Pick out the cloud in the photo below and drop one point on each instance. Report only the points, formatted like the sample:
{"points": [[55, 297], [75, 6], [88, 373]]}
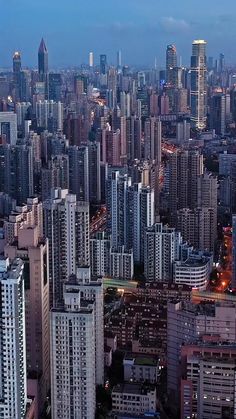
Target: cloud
{"points": [[170, 24]]}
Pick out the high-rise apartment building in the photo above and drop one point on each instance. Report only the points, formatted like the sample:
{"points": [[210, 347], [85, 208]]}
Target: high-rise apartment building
{"points": [[92, 290], [73, 362], [161, 249], [198, 227], [79, 172], [185, 167], [100, 254], [66, 224], [198, 84], [33, 250], [13, 391], [55, 175], [94, 159], [130, 212]]}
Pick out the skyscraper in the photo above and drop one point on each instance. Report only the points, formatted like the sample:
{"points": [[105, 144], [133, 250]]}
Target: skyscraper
{"points": [[171, 63], [17, 73], [42, 60], [91, 60], [198, 84], [103, 64], [119, 59], [43, 66]]}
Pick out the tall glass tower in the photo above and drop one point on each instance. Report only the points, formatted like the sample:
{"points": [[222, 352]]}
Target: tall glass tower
{"points": [[198, 84], [171, 62]]}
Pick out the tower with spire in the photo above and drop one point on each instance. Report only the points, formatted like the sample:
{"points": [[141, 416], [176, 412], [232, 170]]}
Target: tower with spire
{"points": [[42, 58], [43, 65]]}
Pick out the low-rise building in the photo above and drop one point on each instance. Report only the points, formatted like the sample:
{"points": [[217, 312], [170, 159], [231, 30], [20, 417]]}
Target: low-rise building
{"points": [[141, 369], [193, 272], [134, 398]]}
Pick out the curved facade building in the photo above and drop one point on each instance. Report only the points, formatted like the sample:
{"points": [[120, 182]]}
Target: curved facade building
{"points": [[193, 272]]}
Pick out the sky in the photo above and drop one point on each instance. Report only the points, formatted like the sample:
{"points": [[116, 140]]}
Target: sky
{"points": [[141, 29]]}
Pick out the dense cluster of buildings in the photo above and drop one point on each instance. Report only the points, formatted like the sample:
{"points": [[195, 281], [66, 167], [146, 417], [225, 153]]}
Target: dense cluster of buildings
{"points": [[116, 175]]}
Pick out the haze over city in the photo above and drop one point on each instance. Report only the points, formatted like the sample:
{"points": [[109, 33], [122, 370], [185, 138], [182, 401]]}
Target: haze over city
{"points": [[141, 29]]}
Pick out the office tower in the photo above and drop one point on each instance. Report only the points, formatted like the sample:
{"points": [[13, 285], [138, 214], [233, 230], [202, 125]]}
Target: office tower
{"points": [[16, 73], [161, 246], [182, 132], [13, 391], [55, 175], [198, 227], [91, 60], [8, 128], [233, 282], [73, 386], [55, 87], [79, 172], [33, 249], [187, 324], [198, 84], [100, 254], [119, 63], [16, 63], [94, 159], [185, 167], [42, 61], [218, 113], [103, 64], [121, 263], [66, 224], [177, 77], [171, 63], [49, 115]]}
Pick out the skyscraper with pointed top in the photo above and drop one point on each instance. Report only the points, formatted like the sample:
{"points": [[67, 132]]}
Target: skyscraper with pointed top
{"points": [[42, 58], [43, 65]]}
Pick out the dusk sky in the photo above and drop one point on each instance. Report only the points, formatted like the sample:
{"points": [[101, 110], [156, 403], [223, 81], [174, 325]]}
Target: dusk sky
{"points": [[140, 28]]}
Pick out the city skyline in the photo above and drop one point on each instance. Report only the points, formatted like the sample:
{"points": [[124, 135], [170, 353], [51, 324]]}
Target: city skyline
{"points": [[105, 30]]}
